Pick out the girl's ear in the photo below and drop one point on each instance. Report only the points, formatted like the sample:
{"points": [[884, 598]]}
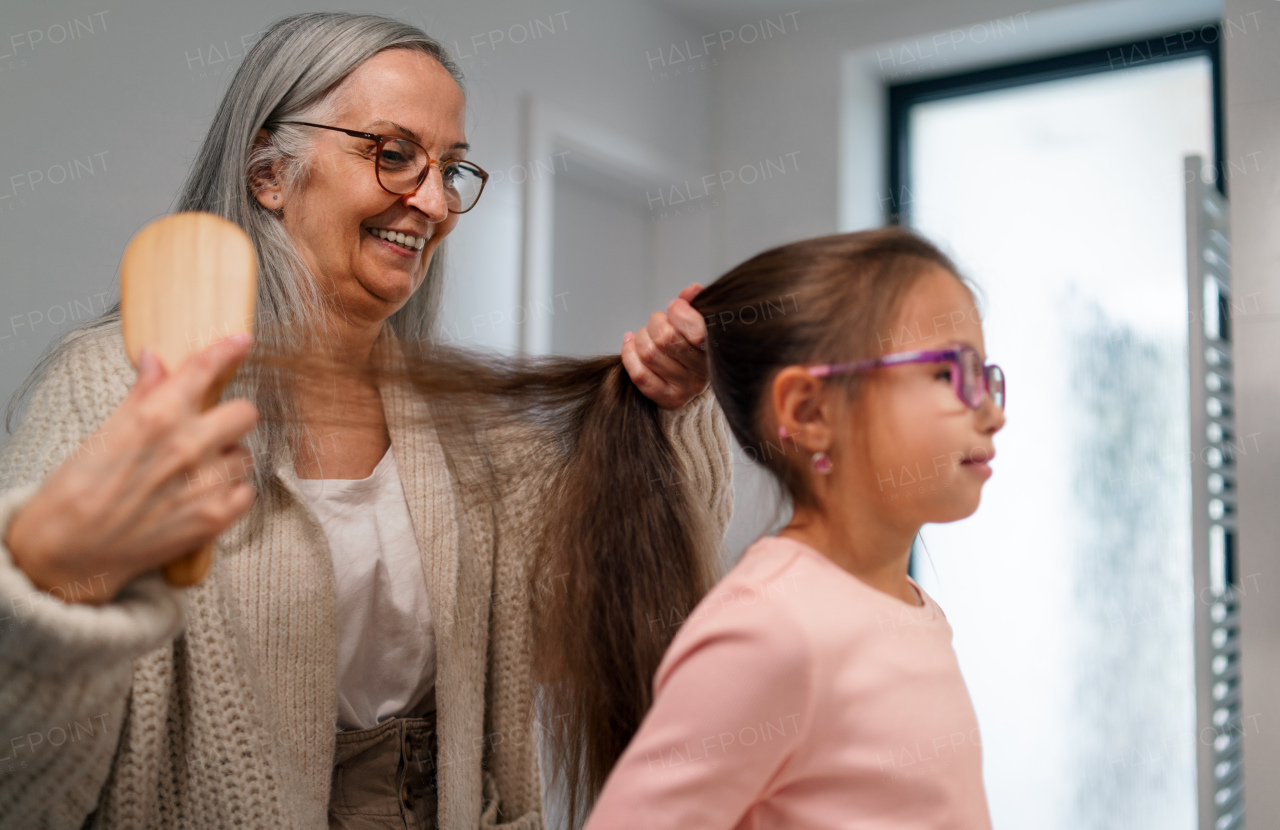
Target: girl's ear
{"points": [[264, 181], [802, 410]]}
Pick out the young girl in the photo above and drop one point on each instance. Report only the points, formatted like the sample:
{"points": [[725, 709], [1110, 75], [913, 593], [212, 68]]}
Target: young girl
{"points": [[815, 686]]}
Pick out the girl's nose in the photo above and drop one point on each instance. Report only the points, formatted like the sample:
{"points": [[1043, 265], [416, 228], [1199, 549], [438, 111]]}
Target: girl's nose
{"points": [[991, 416]]}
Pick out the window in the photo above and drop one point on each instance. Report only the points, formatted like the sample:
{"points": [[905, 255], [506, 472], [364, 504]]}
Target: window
{"points": [[1058, 186]]}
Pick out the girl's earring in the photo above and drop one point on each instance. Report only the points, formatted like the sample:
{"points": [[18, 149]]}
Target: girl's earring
{"points": [[821, 463]]}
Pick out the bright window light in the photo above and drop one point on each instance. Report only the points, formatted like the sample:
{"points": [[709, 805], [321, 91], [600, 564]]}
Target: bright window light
{"points": [[1070, 590]]}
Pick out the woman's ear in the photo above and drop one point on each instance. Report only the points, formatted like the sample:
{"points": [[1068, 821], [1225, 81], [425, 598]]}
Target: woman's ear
{"points": [[264, 181], [801, 411]]}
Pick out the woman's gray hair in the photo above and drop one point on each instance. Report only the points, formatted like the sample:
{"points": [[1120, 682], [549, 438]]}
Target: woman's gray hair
{"points": [[292, 73]]}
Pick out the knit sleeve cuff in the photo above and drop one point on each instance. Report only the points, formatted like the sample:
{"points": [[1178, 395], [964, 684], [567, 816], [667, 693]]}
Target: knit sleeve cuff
{"points": [[700, 435], [46, 634], [696, 408]]}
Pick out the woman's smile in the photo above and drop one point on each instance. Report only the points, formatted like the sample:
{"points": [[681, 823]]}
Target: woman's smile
{"points": [[400, 242]]}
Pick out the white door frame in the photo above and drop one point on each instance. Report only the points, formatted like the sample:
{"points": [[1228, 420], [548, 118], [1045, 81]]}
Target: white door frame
{"points": [[550, 129]]}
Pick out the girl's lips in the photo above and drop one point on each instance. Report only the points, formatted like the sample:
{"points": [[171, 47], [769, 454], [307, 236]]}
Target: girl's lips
{"points": [[982, 468]]}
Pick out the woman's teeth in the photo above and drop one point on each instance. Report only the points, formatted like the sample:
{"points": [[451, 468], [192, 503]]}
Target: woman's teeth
{"points": [[413, 243]]}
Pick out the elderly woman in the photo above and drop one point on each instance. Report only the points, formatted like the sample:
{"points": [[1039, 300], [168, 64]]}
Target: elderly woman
{"points": [[346, 660]]}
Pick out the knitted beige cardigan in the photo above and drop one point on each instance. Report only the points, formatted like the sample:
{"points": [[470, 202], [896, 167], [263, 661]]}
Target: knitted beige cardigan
{"points": [[215, 707]]}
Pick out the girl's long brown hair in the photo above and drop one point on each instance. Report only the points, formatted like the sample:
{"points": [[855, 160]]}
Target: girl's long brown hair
{"points": [[619, 536]]}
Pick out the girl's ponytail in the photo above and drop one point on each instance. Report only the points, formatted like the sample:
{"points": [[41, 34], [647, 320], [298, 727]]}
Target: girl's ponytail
{"points": [[632, 538]]}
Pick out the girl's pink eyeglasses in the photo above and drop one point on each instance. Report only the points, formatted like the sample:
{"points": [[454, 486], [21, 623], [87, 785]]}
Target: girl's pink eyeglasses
{"points": [[970, 378]]}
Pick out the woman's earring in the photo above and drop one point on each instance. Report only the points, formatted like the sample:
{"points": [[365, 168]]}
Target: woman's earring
{"points": [[273, 198], [821, 463]]}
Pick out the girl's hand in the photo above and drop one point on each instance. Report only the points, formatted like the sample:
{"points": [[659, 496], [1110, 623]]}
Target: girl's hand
{"points": [[159, 479], [667, 359]]}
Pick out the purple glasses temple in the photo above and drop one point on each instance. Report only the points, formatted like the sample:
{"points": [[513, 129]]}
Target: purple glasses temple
{"points": [[970, 378]]}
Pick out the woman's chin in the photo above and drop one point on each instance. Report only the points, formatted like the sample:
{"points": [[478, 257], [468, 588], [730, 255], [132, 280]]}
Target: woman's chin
{"points": [[394, 282], [391, 285]]}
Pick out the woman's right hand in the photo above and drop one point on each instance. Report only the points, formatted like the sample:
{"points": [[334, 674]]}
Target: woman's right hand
{"points": [[158, 480]]}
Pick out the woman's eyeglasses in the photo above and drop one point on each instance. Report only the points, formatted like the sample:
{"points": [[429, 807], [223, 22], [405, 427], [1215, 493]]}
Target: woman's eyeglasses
{"points": [[970, 378], [401, 166]]}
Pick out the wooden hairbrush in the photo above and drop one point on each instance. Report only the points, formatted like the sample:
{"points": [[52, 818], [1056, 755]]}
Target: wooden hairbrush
{"points": [[187, 280]]}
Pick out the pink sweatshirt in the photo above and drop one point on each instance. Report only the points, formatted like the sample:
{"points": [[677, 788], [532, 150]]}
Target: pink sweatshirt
{"points": [[796, 696]]}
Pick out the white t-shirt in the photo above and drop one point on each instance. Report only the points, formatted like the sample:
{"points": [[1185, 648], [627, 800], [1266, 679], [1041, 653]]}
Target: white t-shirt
{"points": [[386, 642]]}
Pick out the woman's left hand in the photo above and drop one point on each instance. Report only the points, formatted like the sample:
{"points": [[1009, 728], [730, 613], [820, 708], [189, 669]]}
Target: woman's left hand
{"points": [[667, 359]]}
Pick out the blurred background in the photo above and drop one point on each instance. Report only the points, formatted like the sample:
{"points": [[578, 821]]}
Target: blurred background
{"points": [[1106, 172]]}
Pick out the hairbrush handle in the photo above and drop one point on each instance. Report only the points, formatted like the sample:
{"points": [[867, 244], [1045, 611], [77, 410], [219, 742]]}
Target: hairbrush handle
{"points": [[191, 568]]}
